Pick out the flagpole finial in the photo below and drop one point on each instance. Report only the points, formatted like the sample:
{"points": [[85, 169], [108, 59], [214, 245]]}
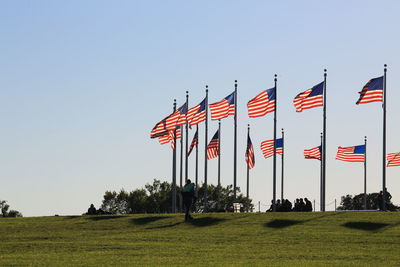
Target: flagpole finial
{"points": [[248, 125], [206, 88], [325, 70], [385, 67], [187, 92]]}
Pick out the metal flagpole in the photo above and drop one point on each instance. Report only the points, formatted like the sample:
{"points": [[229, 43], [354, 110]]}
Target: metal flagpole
{"points": [[187, 140], [219, 153], [235, 145], [181, 160], [248, 169], [384, 142], [181, 171], [321, 185], [324, 147], [365, 173], [174, 170], [274, 151], [282, 171], [197, 158], [205, 151]]}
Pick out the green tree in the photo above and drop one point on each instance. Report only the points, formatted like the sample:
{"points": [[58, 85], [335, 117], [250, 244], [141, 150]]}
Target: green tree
{"points": [[4, 210], [349, 202], [160, 197], [137, 201], [115, 203]]}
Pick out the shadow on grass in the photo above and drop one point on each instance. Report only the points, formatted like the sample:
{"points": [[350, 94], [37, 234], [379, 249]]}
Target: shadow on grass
{"points": [[366, 226], [164, 226], [205, 221], [146, 220], [282, 223], [72, 217], [104, 217]]}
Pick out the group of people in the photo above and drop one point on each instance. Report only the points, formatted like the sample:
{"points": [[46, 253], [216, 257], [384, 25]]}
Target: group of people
{"points": [[92, 211], [286, 205]]}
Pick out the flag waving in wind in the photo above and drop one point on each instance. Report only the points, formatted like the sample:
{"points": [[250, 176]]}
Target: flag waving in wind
{"points": [[267, 147], [310, 99], [159, 129], [177, 118], [194, 143], [250, 160], [262, 104], [313, 153], [351, 153], [372, 91], [197, 113], [223, 108], [393, 159], [212, 148]]}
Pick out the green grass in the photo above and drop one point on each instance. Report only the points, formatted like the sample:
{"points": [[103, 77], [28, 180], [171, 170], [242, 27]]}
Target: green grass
{"points": [[265, 239]]}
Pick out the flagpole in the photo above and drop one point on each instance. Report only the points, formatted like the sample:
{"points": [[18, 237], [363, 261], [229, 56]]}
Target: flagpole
{"points": [[274, 163], [187, 140], [365, 173], [324, 147], [205, 151], [384, 142], [282, 171], [248, 159], [197, 158], [321, 178], [235, 145], [174, 169], [181, 160], [219, 154], [248, 169]]}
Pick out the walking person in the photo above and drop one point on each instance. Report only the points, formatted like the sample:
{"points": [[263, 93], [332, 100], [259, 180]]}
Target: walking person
{"points": [[188, 195]]}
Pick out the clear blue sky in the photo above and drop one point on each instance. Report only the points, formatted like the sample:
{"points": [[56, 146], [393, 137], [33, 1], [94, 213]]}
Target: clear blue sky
{"points": [[83, 82]]}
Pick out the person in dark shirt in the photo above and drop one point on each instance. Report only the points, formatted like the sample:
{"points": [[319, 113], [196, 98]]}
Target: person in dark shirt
{"points": [[302, 205], [188, 195], [92, 210]]}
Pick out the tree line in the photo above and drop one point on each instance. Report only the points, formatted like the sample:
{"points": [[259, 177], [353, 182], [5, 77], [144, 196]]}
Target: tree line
{"points": [[374, 202], [156, 197], [5, 212]]}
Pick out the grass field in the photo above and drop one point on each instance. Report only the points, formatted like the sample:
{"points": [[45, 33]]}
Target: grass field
{"points": [[260, 239]]}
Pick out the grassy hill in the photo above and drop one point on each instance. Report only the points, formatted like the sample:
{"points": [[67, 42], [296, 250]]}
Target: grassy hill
{"points": [[265, 239]]}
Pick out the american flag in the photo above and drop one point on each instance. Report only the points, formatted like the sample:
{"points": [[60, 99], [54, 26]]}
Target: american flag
{"points": [[262, 104], [309, 99], [313, 153], [223, 108], [212, 148], [267, 147], [159, 129], [169, 137], [372, 91], [197, 113], [351, 153], [250, 160], [393, 159], [177, 118], [194, 143]]}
